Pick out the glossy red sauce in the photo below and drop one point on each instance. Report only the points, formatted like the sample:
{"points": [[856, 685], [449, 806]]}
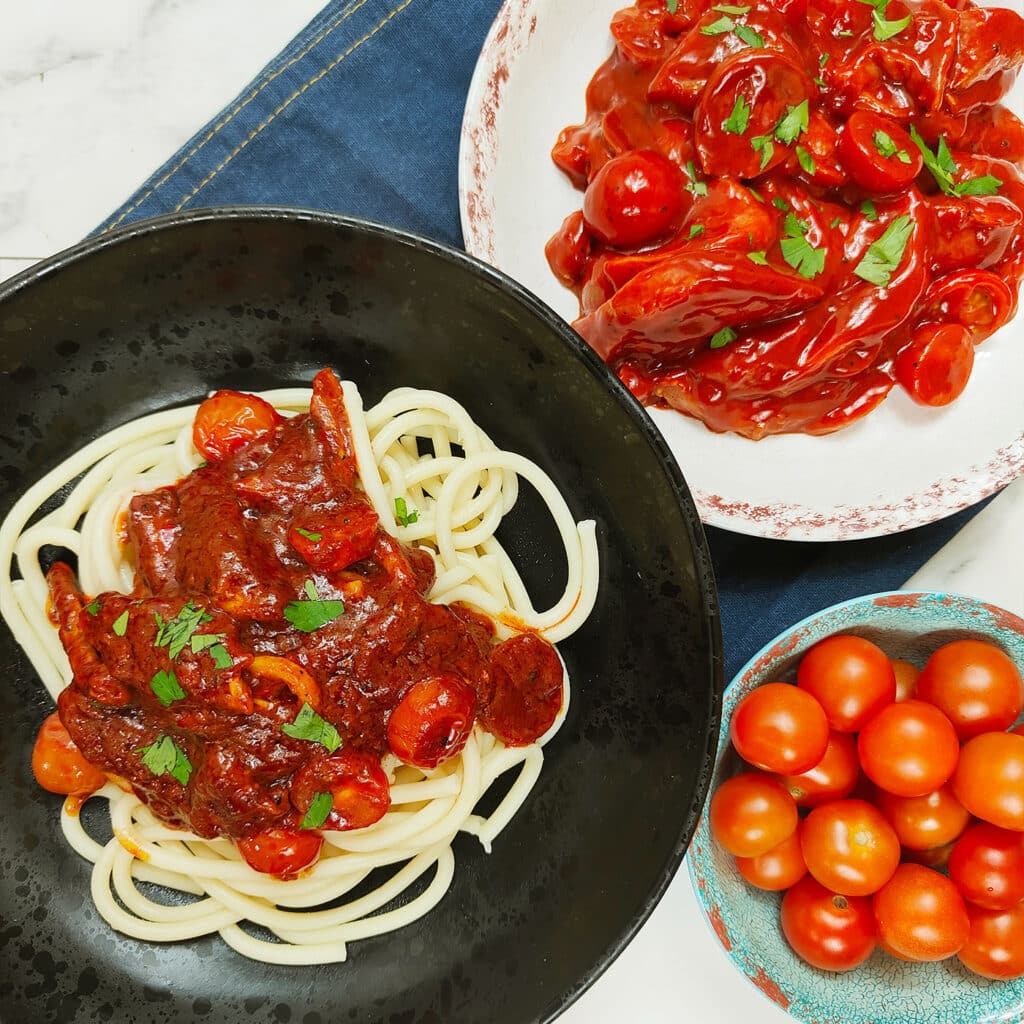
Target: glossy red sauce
{"points": [[707, 178], [275, 513]]}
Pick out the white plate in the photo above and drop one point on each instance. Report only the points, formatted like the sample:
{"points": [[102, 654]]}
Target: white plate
{"points": [[902, 466]]}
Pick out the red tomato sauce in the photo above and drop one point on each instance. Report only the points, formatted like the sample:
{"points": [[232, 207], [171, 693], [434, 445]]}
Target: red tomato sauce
{"points": [[273, 524], [792, 206]]}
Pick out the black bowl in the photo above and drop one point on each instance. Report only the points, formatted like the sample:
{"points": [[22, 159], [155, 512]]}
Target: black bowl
{"points": [[161, 312]]}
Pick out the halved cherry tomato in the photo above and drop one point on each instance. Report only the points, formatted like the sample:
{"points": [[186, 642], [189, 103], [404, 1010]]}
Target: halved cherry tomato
{"points": [[995, 945], [281, 852], [906, 678], [59, 766], [635, 199], [976, 299], [527, 690], [228, 420], [360, 792], [989, 779], [832, 778], [779, 728], [432, 721], [830, 931], [909, 749], [850, 847], [781, 867], [333, 542], [935, 367], [987, 866], [850, 677], [924, 822], [879, 154], [921, 915], [751, 814], [975, 684], [568, 248]]}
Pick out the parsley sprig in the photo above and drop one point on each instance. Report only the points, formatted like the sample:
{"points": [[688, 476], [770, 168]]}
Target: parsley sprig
{"points": [[884, 256], [308, 725], [120, 624], [798, 252], [793, 123], [166, 688], [164, 757], [314, 612], [943, 168], [175, 633], [405, 515]]}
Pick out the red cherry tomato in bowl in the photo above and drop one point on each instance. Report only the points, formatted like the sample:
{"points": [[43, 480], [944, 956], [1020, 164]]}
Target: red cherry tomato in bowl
{"points": [[920, 915], [229, 420], [829, 931], [834, 777], [635, 199], [779, 728], [989, 779], [987, 866], [995, 945], [780, 868], [975, 684], [924, 822], [935, 367], [878, 154], [751, 814], [850, 677]]}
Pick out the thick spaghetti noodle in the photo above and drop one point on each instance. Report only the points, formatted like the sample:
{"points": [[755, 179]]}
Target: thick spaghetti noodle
{"points": [[462, 486]]}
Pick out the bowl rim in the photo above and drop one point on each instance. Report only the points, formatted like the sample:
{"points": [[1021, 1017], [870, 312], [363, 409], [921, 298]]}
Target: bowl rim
{"points": [[710, 613]]}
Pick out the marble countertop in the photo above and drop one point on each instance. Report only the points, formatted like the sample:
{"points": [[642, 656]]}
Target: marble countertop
{"points": [[94, 95]]}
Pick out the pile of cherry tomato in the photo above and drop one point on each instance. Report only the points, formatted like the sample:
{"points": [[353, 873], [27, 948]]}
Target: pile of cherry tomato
{"points": [[888, 804]]}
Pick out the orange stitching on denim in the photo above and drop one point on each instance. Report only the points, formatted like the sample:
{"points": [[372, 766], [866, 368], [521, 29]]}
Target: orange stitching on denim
{"points": [[345, 15], [294, 96]]}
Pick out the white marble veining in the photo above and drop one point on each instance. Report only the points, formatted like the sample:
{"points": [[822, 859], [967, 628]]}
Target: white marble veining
{"points": [[94, 95]]}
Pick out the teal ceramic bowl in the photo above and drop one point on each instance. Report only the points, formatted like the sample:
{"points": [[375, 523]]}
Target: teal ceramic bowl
{"points": [[745, 920]]}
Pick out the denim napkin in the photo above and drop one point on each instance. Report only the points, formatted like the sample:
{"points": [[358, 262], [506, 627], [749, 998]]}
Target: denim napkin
{"points": [[360, 114]]}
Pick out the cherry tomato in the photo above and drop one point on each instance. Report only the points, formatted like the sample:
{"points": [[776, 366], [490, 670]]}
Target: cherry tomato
{"points": [[781, 867], [987, 866], [851, 678], [989, 779], [995, 946], [924, 822], [780, 729], [975, 685], [920, 915], [281, 852], [879, 155], [568, 249], [976, 299], [830, 931], [751, 813], [832, 778], [850, 847], [360, 792], [909, 749], [432, 721], [906, 678], [333, 542], [635, 199], [228, 420], [935, 367], [528, 688], [59, 766]]}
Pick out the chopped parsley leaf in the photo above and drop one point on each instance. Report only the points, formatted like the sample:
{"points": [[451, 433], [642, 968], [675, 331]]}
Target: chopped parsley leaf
{"points": [[836, 221], [780, 204], [943, 167], [313, 613], [749, 36], [763, 144], [696, 186], [221, 657], [723, 337], [93, 607], [696, 230], [823, 59], [805, 159], [322, 803], [164, 757], [718, 28], [885, 29], [308, 534], [308, 725], [166, 688], [884, 256], [760, 258], [120, 625], [671, 6], [176, 633], [405, 515], [798, 252], [883, 143], [793, 123], [868, 209], [986, 185], [730, 9], [736, 122]]}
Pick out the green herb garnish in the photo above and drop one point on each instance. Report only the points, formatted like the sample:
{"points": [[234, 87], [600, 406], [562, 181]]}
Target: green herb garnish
{"points": [[314, 612], [93, 608], [696, 186], [696, 230], [805, 159], [868, 209], [943, 167], [308, 725], [405, 515], [166, 688], [736, 122], [760, 258], [885, 255], [120, 625], [730, 9], [793, 123], [763, 144], [671, 6], [718, 28], [319, 808], [780, 204], [723, 337], [798, 252], [749, 36], [308, 534], [176, 633], [164, 757]]}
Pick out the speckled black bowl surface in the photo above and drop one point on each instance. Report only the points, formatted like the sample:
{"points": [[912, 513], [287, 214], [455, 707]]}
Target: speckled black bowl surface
{"points": [[165, 310]]}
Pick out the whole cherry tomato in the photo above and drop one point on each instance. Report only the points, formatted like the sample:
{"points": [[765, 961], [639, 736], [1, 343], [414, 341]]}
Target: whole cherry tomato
{"points": [[830, 931], [850, 847], [935, 367], [906, 678], [909, 749], [879, 155], [281, 852], [780, 729], [59, 766], [832, 778], [229, 420], [781, 867], [359, 790], [751, 813], [995, 946], [987, 866], [432, 721], [975, 685], [989, 779], [925, 822], [851, 678], [921, 915], [635, 199]]}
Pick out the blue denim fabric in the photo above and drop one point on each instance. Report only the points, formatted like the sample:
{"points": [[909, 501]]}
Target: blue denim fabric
{"points": [[361, 114]]}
